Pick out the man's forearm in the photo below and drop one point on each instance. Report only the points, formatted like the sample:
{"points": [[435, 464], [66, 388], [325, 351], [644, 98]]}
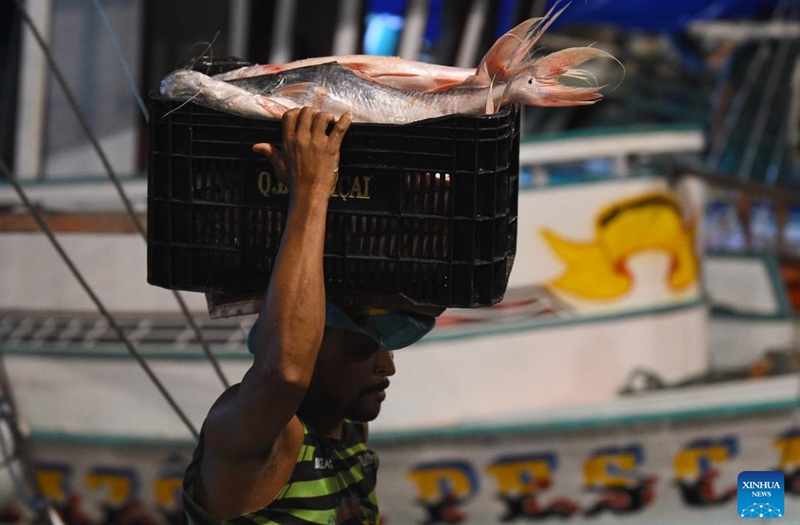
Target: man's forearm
{"points": [[290, 327], [293, 312]]}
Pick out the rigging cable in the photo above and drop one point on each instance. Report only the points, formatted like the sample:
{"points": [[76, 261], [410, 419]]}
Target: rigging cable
{"points": [[25, 482], [116, 182], [740, 98], [96, 300], [736, 108], [132, 83], [754, 138], [118, 51]]}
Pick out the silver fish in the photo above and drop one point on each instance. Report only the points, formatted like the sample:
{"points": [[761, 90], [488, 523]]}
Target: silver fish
{"points": [[338, 89], [186, 85], [510, 52]]}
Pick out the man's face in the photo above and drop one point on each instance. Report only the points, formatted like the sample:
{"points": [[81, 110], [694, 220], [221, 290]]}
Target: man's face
{"points": [[350, 377]]}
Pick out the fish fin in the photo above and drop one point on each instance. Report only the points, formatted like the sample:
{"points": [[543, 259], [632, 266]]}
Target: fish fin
{"points": [[444, 86], [392, 74], [481, 76], [521, 56], [250, 71], [511, 52], [495, 60], [275, 109], [473, 81], [489, 99], [298, 90], [413, 82], [505, 97]]}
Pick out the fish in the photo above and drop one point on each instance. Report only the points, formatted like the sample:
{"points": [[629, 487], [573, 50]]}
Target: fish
{"points": [[187, 85], [337, 89], [503, 59], [397, 91], [535, 83], [392, 71]]}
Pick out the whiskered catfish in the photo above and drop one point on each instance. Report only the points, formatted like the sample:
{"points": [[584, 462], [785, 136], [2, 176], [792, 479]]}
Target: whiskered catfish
{"points": [[393, 90], [509, 53], [337, 89]]}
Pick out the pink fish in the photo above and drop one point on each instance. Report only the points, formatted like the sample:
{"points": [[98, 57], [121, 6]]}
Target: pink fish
{"points": [[508, 55], [392, 71], [393, 90], [337, 89]]}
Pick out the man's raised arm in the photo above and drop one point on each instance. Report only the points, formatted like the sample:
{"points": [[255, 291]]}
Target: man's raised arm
{"points": [[248, 419]]}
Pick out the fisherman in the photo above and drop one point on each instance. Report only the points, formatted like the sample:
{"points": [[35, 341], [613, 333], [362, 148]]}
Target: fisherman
{"points": [[288, 444]]}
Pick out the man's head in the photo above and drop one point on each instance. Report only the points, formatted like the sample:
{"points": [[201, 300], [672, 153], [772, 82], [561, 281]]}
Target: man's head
{"points": [[350, 377], [356, 359]]}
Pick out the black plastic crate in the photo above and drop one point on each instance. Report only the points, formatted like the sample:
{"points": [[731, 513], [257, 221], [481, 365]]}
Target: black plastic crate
{"points": [[424, 214]]}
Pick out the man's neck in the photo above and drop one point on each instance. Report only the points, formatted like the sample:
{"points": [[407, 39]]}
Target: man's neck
{"points": [[323, 424]]}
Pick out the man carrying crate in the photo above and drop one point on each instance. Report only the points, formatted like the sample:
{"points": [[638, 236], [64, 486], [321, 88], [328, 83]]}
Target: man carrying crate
{"points": [[283, 446]]}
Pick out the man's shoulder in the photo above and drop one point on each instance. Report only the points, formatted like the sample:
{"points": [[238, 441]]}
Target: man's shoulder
{"points": [[224, 404], [220, 422], [220, 416], [227, 482]]}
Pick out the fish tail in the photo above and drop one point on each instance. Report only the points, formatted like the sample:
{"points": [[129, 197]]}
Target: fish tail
{"points": [[522, 55]]}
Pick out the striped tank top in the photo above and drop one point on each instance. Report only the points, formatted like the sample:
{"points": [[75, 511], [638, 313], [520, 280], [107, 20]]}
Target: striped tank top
{"points": [[333, 482]]}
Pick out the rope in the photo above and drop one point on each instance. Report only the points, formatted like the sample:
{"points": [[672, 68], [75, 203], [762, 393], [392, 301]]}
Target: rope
{"points": [[12, 453], [202, 340], [96, 300], [734, 112], [736, 108], [79, 114], [118, 51], [116, 182], [720, 180], [759, 126], [24, 482]]}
